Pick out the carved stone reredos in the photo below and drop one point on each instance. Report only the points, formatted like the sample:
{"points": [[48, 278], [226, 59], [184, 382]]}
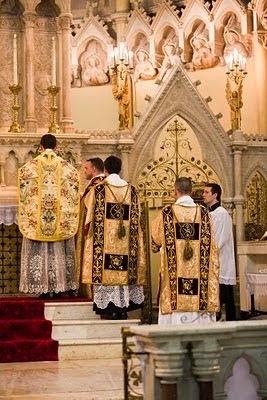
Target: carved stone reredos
{"points": [[179, 96]]}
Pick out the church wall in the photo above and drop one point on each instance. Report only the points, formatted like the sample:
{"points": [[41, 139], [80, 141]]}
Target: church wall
{"points": [[94, 108]]}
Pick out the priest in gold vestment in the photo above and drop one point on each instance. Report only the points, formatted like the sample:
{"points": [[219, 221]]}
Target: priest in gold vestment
{"points": [[94, 172], [48, 220], [189, 270], [114, 256]]}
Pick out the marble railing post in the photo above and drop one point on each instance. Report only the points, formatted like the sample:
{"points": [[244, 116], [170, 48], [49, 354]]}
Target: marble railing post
{"points": [[238, 145], [30, 122], [66, 123], [168, 368], [206, 366]]}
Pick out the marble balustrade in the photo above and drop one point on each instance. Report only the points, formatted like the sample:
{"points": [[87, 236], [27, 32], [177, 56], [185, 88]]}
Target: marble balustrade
{"points": [[203, 361]]}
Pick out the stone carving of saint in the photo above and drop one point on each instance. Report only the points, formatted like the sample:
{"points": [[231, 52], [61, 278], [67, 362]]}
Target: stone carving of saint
{"points": [[144, 69], [202, 54], [170, 58], [233, 39], [93, 74]]}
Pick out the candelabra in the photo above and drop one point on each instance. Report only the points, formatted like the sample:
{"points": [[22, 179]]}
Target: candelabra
{"points": [[15, 126], [54, 127], [236, 71], [121, 65]]}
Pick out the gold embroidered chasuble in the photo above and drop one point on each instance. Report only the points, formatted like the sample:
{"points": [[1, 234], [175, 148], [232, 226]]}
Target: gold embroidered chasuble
{"points": [[48, 198], [110, 258], [80, 236], [187, 285]]}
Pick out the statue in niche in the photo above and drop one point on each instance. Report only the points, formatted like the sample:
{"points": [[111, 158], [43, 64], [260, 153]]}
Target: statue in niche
{"points": [[202, 57], [144, 69], [93, 74], [233, 40], [93, 66], [170, 57], [234, 99]]}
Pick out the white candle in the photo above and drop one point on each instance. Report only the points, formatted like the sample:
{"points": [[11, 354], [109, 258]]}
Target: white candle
{"points": [[116, 55], [122, 51], [15, 61], [53, 62], [130, 59]]}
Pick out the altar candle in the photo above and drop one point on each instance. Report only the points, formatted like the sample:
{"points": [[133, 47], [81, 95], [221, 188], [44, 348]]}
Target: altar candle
{"points": [[15, 61], [53, 62]]}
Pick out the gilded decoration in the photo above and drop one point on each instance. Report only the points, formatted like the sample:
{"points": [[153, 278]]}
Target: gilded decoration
{"points": [[256, 207], [10, 249], [49, 193], [105, 209], [184, 285], [187, 284], [177, 154]]}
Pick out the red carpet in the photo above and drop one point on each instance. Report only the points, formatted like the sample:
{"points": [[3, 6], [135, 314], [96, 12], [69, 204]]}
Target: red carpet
{"points": [[25, 335]]}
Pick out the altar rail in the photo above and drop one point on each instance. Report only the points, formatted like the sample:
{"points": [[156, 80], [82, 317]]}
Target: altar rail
{"points": [[223, 360]]}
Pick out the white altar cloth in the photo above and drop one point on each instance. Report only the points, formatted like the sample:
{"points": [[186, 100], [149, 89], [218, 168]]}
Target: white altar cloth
{"points": [[257, 284], [8, 215]]}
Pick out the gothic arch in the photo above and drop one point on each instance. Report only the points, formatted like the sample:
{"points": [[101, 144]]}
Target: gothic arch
{"points": [[254, 368], [252, 169], [179, 96]]}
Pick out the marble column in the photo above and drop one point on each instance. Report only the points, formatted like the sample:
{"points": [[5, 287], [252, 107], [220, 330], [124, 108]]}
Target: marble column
{"points": [[66, 123], [30, 121], [238, 145], [205, 367], [168, 368], [120, 18]]}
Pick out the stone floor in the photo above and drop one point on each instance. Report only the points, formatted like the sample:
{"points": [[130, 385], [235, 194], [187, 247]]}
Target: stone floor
{"points": [[62, 380]]}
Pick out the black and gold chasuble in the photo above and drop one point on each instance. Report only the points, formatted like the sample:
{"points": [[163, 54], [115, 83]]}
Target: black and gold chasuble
{"points": [[114, 249], [187, 283], [79, 238]]}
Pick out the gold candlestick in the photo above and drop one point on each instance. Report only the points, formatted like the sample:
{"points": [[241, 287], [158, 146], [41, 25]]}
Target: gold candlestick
{"points": [[54, 127], [15, 127]]}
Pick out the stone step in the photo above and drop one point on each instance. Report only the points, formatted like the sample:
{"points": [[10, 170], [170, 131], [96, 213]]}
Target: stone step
{"points": [[84, 335], [89, 329], [90, 349], [70, 311]]}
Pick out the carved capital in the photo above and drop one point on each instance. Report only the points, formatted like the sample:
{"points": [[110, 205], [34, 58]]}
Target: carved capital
{"points": [[126, 148], [119, 18], [239, 200], [238, 148], [206, 359], [228, 204], [64, 21], [170, 366], [29, 19]]}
